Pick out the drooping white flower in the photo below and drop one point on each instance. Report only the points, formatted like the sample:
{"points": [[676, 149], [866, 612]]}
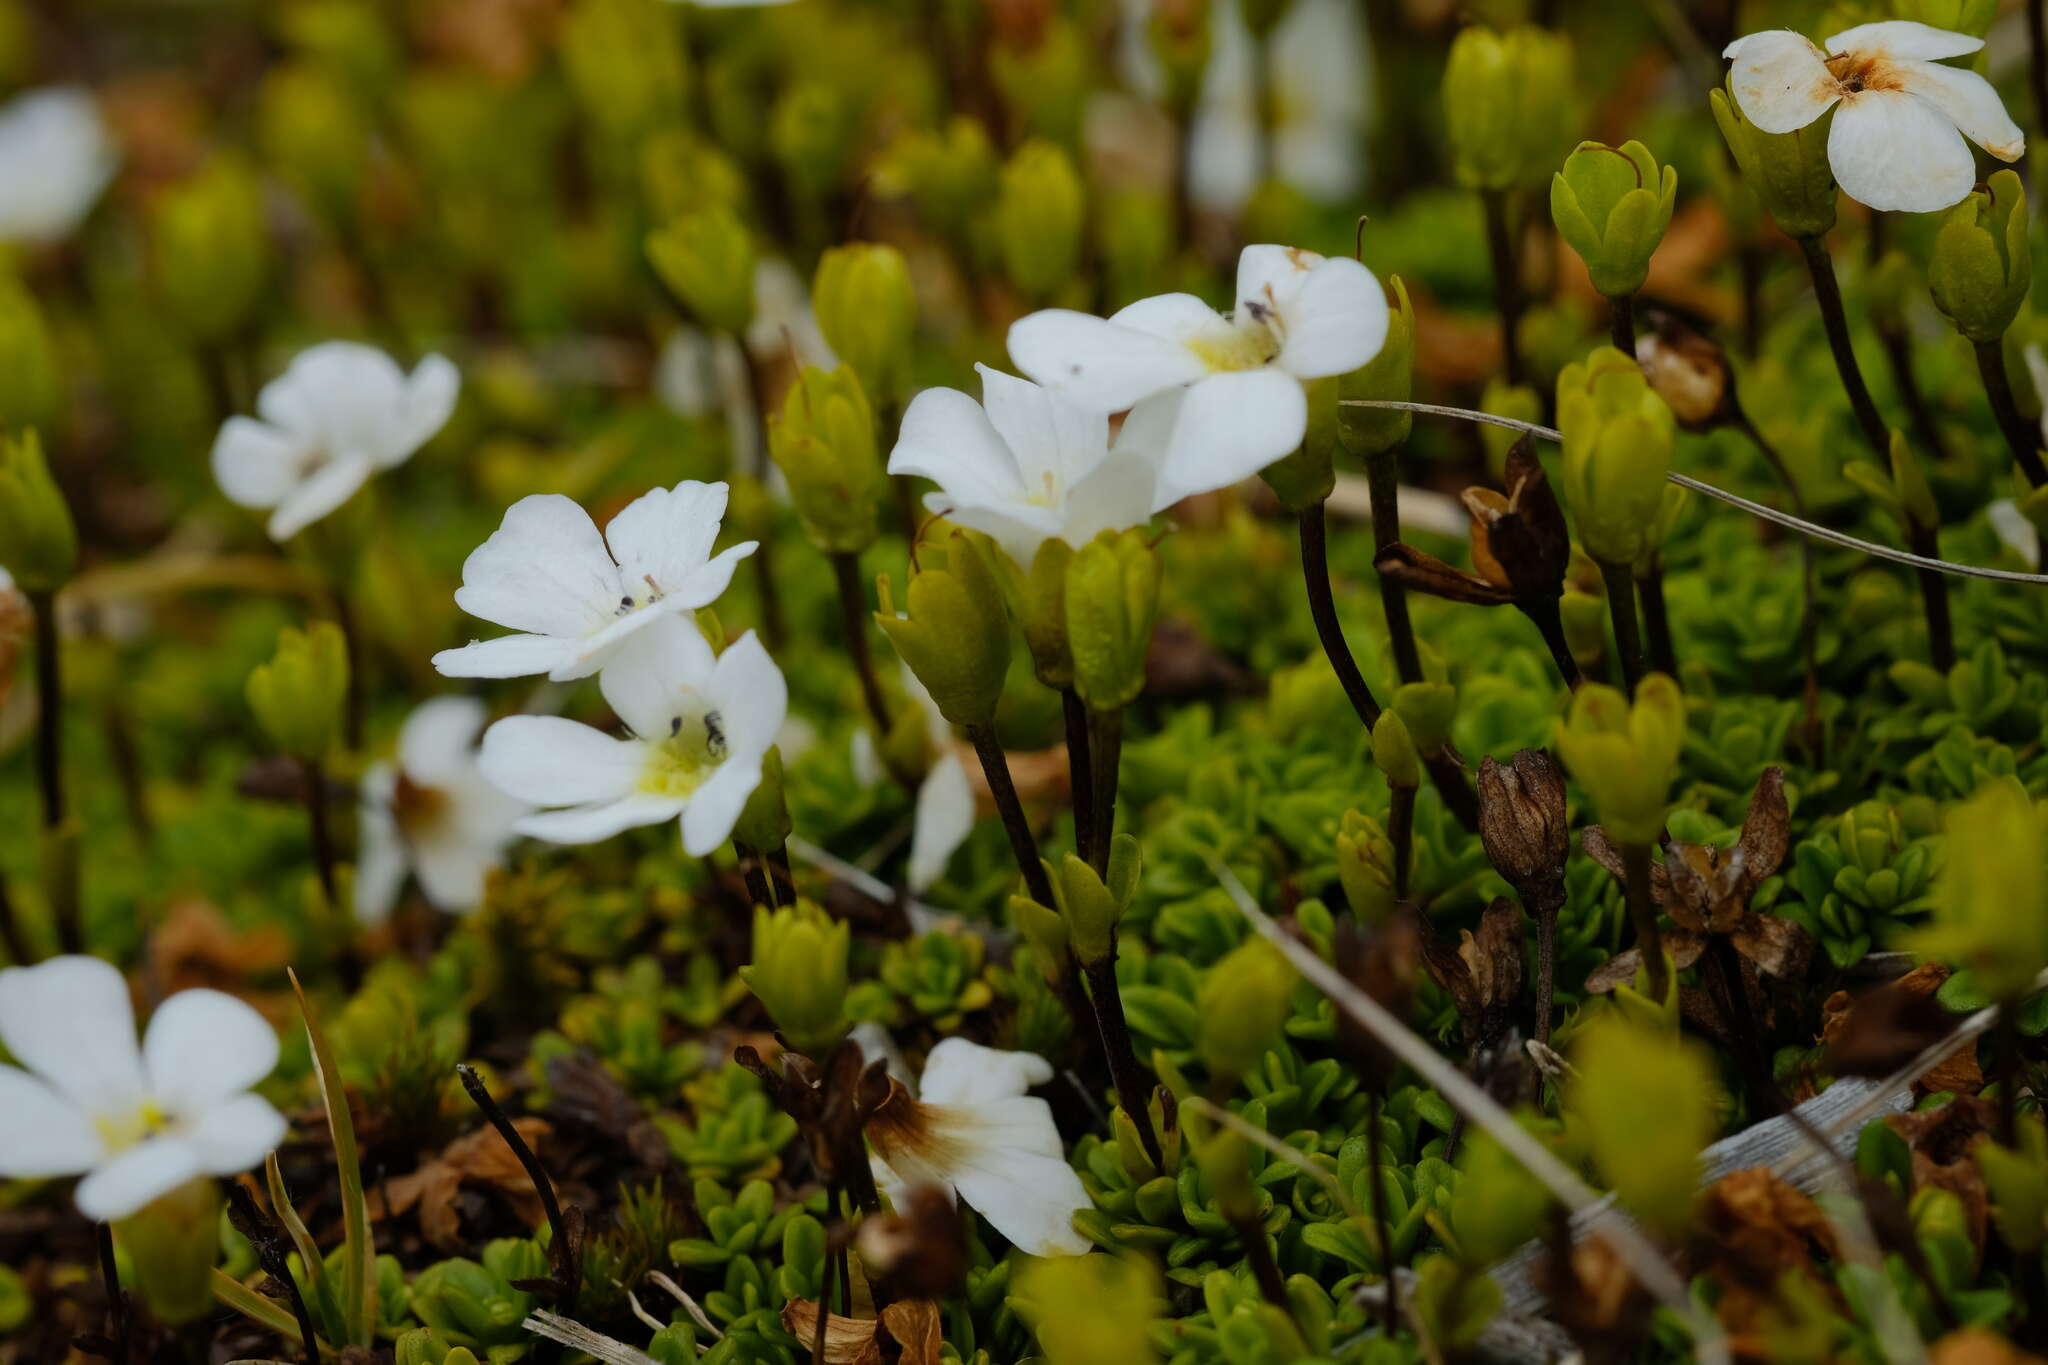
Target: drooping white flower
{"points": [[1024, 465], [576, 595], [55, 159], [1320, 78], [138, 1122], [944, 811], [430, 811], [972, 1129], [700, 726], [1897, 139], [340, 412], [1237, 378]]}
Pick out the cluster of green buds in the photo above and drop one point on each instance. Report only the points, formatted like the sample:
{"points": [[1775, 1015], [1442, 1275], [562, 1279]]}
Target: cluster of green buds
{"points": [[1612, 205], [799, 973], [1365, 867], [867, 312], [706, 259], [1618, 441], [1788, 172], [1982, 269], [824, 443], [1991, 895], [950, 174], [38, 541], [1241, 1008], [1508, 101], [1041, 209], [298, 694], [954, 633], [1112, 599], [1624, 754], [1644, 1102]]}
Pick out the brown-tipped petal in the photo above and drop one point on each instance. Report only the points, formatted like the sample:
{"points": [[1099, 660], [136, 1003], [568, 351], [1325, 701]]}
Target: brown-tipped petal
{"points": [[1421, 571], [1778, 946], [1766, 832], [1682, 946], [1594, 842], [1687, 368]]}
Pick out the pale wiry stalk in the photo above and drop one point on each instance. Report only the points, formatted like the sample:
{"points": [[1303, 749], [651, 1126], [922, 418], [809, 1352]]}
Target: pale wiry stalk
{"points": [[575, 1335], [1626, 1240]]}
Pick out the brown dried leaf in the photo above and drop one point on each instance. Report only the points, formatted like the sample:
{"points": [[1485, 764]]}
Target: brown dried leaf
{"points": [[1766, 832], [1978, 1346], [848, 1341], [1754, 1226], [914, 1323], [1778, 946], [194, 945], [1423, 572], [478, 1158], [1683, 946], [1593, 841], [1877, 1033]]}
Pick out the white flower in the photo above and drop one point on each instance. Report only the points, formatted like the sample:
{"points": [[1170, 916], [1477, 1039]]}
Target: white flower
{"points": [[1024, 465], [577, 594], [55, 158], [139, 1121], [431, 812], [944, 813], [1238, 379], [1320, 78], [700, 727], [972, 1129], [1897, 139], [339, 413]]}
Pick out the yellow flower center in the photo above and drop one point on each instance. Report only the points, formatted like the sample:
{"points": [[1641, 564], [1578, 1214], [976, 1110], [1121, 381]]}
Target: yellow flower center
{"points": [[1248, 345], [120, 1131], [678, 765]]}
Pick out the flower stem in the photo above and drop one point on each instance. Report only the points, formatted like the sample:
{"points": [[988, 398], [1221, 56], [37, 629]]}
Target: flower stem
{"points": [[1401, 834], [765, 587], [2021, 435], [566, 1257], [354, 703], [1635, 862], [1124, 1072], [49, 709], [1546, 970], [1657, 620], [1258, 1253], [1376, 1194], [1809, 619], [1080, 779], [1941, 632], [322, 834], [11, 936], [853, 617], [1621, 606], [1898, 357], [1383, 485], [1725, 971], [1549, 623], [1315, 575], [1023, 845], [262, 1233], [2037, 58], [1105, 755], [1827, 293], [117, 1301], [1507, 284], [1621, 323]]}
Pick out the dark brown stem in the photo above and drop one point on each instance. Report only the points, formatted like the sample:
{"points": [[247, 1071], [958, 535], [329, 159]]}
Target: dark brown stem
{"points": [[354, 705], [1546, 969], [754, 870], [1401, 834], [126, 757], [1724, 967], [1621, 607], [769, 595], [1383, 485], [1376, 1195], [1941, 631], [567, 1264], [1635, 862], [1621, 323], [1749, 274], [1315, 575], [1105, 757], [117, 1301], [853, 618], [1898, 358], [11, 936], [322, 834], [1453, 786], [2005, 1052], [1507, 283], [1258, 1253], [1827, 293], [272, 1254], [1549, 622], [1132, 1089], [1080, 780], [1023, 844], [2022, 436], [1657, 620], [49, 710]]}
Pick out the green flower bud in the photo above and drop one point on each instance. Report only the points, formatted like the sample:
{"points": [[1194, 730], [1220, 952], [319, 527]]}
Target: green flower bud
{"points": [[1044, 80], [313, 131], [956, 635], [1393, 752], [1644, 1100], [1611, 205], [866, 310], [1040, 211], [950, 174], [1508, 105], [210, 248], [824, 443], [297, 696], [17, 1305], [1901, 491], [1618, 440], [38, 541], [624, 64], [1241, 1006], [1982, 268], [681, 170], [1179, 34], [174, 1243], [1037, 598], [1307, 477], [29, 388], [1503, 399], [1365, 866], [2017, 1178], [809, 130], [1367, 432], [1991, 897], [1585, 626], [1624, 754], [1046, 932], [764, 821], [1092, 906], [1454, 1304], [799, 973], [1112, 598], [1225, 1161], [1957, 16], [1497, 1205], [1426, 709], [1090, 1310], [1787, 171], [706, 258], [1135, 235]]}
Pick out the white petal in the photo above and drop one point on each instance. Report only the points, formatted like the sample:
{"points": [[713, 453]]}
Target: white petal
{"points": [[69, 1020], [1894, 151], [545, 570], [1100, 364], [1180, 318], [347, 395], [947, 437], [254, 464], [597, 650], [55, 158], [751, 695], [601, 820], [1781, 81], [1903, 38], [508, 656], [703, 585], [961, 1072], [1030, 1200], [1019, 527], [203, 1046], [656, 674], [945, 817], [331, 485], [41, 1132], [551, 761], [1268, 274], [138, 1176], [453, 869], [438, 740], [423, 409], [236, 1134], [715, 807], [1968, 101], [665, 534], [380, 855], [1230, 426], [1116, 496], [1055, 442], [1225, 138], [1333, 319]]}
